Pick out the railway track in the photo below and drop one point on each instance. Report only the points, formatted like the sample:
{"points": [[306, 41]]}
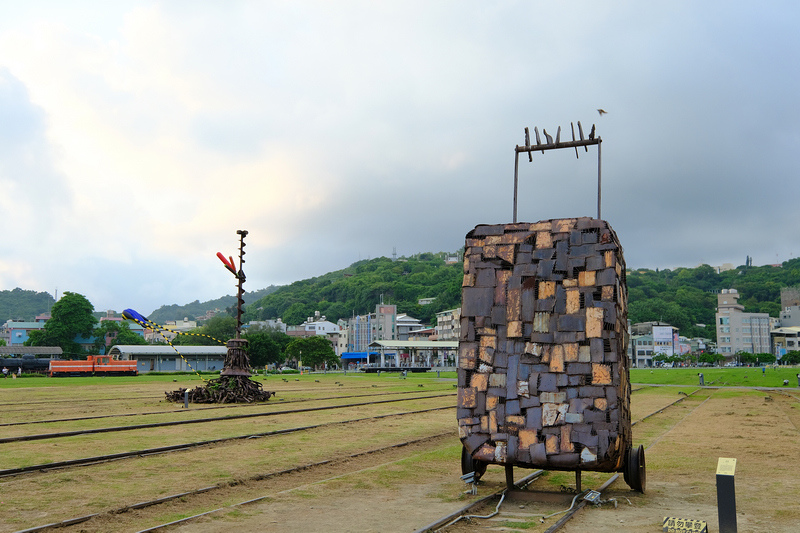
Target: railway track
{"points": [[185, 446], [203, 490], [445, 524], [14, 406], [475, 510], [194, 409]]}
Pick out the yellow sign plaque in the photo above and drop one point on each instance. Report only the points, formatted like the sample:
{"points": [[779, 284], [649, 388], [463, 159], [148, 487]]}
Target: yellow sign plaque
{"points": [[683, 525], [726, 466]]}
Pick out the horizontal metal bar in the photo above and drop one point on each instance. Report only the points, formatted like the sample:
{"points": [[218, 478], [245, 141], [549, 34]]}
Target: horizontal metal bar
{"points": [[565, 144]]}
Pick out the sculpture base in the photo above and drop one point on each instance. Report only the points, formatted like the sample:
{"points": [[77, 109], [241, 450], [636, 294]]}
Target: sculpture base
{"points": [[236, 361]]}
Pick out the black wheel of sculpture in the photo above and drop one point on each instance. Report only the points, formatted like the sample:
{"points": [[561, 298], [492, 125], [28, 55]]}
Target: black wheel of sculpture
{"points": [[468, 464], [635, 470]]}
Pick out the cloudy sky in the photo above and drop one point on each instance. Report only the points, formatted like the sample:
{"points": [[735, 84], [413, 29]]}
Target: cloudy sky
{"points": [[137, 137]]}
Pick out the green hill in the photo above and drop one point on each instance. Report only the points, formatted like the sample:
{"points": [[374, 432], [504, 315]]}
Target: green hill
{"points": [[684, 297], [23, 305], [358, 288], [198, 308]]}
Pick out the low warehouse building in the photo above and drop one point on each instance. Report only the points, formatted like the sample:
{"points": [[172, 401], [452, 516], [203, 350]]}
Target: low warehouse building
{"points": [[168, 359]]}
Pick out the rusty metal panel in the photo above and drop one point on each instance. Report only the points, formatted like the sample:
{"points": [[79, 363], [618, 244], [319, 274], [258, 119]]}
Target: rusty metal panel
{"points": [[544, 337]]}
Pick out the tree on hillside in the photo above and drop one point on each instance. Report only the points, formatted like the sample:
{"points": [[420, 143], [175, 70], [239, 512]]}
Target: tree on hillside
{"points": [[23, 305], [114, 332], [263, 349], [358, 288], [312, 351], [70, 318], [295, 314]]}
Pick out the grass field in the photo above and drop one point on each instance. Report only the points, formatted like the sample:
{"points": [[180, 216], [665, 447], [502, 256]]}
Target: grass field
{"points": [[717, 377], [758, 428]]}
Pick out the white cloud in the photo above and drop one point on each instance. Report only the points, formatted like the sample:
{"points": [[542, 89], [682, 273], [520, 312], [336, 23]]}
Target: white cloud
{"points": [[337, 131]]}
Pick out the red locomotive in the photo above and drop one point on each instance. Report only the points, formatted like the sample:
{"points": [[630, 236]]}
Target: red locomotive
{"points": [[95, 365]]}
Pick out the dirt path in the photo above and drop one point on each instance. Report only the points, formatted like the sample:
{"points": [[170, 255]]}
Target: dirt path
{"points": [[761, 433]]}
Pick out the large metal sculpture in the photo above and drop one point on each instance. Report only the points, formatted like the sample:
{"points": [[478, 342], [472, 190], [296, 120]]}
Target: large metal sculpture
{"points": [[543, 369], [234, 384]]}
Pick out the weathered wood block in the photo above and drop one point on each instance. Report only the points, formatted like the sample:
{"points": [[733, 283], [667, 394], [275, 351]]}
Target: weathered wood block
{"points": [[557, 358], [594, 322], [542, 362], [527, 437], [534, 418], [515, 420], [566, 444], [497, 380], [467, 397], [601, 374], [551, 444], [479, 382], [553, 397], [553, 413]]}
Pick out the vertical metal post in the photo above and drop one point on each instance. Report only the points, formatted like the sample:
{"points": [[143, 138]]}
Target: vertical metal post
{"points": [[241, 278], [516, 174], [510, 477], [186, 399], [599, 179]]}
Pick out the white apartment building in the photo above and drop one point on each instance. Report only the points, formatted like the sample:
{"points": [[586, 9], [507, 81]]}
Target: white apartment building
{"points": [[738, 331], [448, 325]]}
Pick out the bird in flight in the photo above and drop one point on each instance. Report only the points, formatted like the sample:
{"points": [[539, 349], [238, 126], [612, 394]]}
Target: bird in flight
{"points": [[602, 112]]}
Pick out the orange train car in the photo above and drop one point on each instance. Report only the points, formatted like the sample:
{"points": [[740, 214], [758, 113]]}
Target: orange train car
{"points": [[94, 365]]}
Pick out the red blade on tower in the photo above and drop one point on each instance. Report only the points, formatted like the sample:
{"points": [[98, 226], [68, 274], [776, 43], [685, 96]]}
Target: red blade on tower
{"points": [[228, 264]]}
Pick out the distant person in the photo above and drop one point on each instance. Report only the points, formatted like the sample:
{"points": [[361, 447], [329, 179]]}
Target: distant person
{"points": [[5, 372], [19, 371]]}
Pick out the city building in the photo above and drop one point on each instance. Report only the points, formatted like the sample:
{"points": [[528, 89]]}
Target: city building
{"points": [[790, 316], [738, 331], [15, 333], [273, 323], [316, 325], [365, 329], [406, 325], [649, 339], [170, 330], [785, 339], [448, 325]]}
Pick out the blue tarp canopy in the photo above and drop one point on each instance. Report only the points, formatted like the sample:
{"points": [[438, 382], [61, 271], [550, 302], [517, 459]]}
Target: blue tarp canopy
{"points": [[360, 355]]}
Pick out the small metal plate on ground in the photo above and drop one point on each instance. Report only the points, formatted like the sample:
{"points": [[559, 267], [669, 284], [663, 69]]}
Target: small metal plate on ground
{"points": [[592, 496]]}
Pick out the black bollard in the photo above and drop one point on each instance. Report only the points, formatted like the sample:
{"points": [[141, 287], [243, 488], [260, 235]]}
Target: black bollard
{"points": [[726, 495]]}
